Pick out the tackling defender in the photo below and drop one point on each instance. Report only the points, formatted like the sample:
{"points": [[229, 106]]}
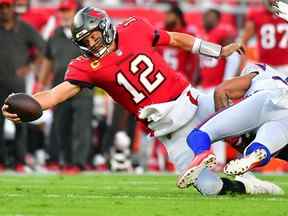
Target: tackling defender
{"points": [[264, 109], [123, 62]]}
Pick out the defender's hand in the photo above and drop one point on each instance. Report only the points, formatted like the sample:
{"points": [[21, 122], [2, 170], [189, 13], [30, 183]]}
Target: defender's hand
{"points": [[10, 116], [229, 49]]}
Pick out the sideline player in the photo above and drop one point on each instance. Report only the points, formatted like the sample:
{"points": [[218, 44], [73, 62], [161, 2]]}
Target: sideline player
{"points": [[180, 60], [264, 109], [272, 35], [123, 62]]}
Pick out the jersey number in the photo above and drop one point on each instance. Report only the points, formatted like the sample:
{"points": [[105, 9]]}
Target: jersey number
{"points": [[150, 86], [268, 36]]}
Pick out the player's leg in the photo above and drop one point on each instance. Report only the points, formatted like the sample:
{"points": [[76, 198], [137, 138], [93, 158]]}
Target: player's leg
{"points": [[62, 120], [235, 120], [20, 143], [3, 150], [180, 154], [250, 185], [271, 137], [206, 181], [82, 131], [219, 150], [209, 183], [4, 92], [238, 119]]}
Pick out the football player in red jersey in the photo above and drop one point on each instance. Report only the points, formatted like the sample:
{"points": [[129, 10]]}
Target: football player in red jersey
{"points": [[214, 71], [122, 60], [272, 35]]}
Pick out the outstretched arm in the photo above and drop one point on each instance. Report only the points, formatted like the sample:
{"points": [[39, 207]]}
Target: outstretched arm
{"points": [[47, 99], [58, 94], [198, 46], [232, 89]]}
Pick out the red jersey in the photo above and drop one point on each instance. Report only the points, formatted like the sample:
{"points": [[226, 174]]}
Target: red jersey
{"points": [[135, 75], [181, 60], [37, 17], [212, 69], [272, 36]]}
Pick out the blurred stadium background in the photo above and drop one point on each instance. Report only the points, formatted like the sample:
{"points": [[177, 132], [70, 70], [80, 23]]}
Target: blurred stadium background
{"points": [[93, 134]]}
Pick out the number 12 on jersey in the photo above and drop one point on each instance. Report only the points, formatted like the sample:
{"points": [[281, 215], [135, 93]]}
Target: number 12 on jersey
{"points": [[150, 86]]}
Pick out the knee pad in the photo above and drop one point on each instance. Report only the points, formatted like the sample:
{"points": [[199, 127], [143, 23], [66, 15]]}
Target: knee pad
{"points": [[255, 146], [199, 141]]}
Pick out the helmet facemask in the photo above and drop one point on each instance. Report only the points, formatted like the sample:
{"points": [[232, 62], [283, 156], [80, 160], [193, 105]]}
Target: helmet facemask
{"points": [[97, 50], [91, 20]]}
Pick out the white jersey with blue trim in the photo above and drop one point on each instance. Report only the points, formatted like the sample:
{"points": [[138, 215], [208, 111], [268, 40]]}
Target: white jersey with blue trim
{"points": [[268, 79]]}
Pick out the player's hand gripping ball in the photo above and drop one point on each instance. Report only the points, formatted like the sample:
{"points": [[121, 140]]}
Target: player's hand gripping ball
{"points": [[25, 106]]}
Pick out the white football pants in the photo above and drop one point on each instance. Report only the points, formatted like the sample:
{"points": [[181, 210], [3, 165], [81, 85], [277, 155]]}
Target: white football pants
{"points": [[256, 112], [208, 183]]}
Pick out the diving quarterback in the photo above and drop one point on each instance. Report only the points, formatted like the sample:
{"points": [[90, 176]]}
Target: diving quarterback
{"points": [[122, 60]]}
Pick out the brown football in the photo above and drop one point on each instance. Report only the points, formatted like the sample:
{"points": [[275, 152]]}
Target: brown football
{"points": [[25, 106]]}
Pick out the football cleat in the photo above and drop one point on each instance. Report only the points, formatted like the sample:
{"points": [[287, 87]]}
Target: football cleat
{"points": [[254, 185], [242, 165], [204, 160]]}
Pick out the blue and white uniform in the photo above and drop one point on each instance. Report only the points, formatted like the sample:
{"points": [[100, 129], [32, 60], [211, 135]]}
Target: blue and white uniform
{"points": [[173, 121], [264, 110]]}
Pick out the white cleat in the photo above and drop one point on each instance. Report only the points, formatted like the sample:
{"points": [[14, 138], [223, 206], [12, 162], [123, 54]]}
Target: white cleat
{"points": [[190, 175], [254, 185], [242, 165]]}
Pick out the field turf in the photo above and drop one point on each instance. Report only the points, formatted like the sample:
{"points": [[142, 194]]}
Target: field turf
{"points": [[126, 195]]}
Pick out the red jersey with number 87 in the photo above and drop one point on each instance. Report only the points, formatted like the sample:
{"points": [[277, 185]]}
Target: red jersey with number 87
{"points": [[272, 36], [135, 75]]}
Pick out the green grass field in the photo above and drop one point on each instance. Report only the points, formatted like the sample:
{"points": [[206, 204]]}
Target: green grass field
{"points": [[126, 195]]}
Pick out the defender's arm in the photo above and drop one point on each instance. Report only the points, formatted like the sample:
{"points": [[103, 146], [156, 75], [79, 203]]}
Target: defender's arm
{"points": [[232, 89]]}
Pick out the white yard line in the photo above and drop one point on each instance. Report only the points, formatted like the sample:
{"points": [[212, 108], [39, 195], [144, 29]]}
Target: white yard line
{"points": [[141, 197]]}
